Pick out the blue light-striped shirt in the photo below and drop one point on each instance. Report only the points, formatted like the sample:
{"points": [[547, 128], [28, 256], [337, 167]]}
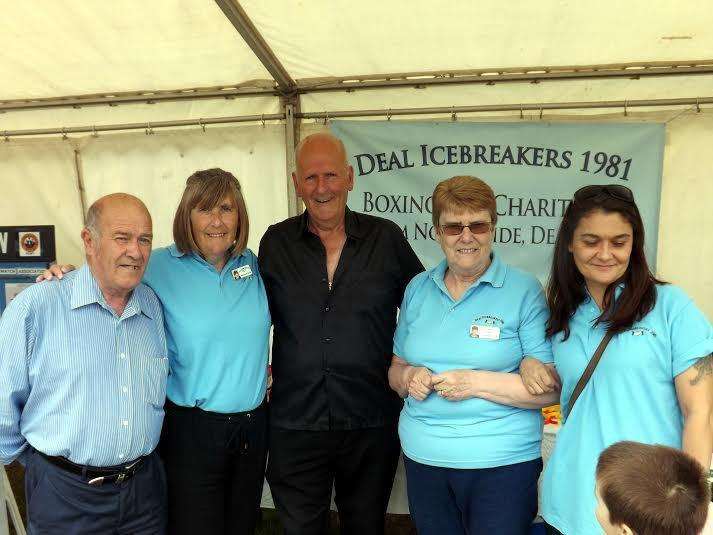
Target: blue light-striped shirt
{"points": [[77, 380]]}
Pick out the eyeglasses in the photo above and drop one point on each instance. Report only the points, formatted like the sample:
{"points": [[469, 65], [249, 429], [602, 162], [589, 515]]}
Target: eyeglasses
{"points": [[613, 190], [455, 229]]}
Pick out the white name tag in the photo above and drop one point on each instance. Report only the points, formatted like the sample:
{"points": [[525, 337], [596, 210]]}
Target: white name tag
{"points": [[242, 272], [485, 332]]}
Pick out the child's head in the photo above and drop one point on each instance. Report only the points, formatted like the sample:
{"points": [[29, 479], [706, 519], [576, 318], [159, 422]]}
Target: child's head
{"points": [[650, 490]]}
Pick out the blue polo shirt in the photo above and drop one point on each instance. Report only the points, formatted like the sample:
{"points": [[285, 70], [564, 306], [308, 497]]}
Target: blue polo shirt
{"points": [[439, 333], [217, 329], [630, 396]]}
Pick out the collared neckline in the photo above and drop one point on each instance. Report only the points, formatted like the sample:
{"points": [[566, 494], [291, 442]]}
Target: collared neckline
{"points": [[353, 226], [86, 291], [174, 252]]}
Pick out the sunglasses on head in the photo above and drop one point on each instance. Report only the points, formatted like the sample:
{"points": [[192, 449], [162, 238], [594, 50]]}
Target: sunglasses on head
{"points": [[455, 229], [613, 190]]}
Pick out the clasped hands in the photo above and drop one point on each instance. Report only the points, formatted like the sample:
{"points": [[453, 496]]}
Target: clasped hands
{"points": [[453, 385]]}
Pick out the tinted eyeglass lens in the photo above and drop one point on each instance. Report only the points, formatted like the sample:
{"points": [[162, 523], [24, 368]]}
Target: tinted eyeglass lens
{"points": [[613, 190], [455, 229]]}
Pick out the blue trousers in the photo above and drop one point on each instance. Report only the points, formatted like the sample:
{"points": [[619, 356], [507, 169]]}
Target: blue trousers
{"points": [[60, 502], [453, 501]]}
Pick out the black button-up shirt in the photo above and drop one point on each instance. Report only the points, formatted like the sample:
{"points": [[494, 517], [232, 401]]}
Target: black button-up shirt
{"points": [[332, 348]]}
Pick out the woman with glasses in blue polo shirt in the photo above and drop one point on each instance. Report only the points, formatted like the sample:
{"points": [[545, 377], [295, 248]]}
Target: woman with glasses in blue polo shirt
{"points": [[472, 455], [654, 382]]}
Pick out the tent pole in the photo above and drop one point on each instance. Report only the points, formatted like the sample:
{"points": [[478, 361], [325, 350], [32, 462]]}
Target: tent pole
{"points": [[623, 104], [80, 184], [149, 127], [291, 135]]}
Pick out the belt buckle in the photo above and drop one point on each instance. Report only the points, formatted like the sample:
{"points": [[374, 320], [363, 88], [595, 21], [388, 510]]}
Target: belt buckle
{"points": [[120, 478], [96, 481]]}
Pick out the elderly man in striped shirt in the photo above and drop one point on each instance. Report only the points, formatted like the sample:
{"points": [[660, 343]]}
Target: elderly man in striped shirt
{"points": [[83, 372]]}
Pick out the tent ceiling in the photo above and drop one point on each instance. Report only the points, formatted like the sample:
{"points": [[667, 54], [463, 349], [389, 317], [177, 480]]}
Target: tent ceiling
{"points": [[54, 48]]}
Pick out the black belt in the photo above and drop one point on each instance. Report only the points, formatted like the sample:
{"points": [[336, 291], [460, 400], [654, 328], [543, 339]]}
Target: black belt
{"points": [[96, 475]]}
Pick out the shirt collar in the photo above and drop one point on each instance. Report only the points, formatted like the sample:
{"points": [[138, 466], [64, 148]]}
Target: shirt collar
{"points": [[494, 275], [174, 252], [85, 291], [353, 224]]}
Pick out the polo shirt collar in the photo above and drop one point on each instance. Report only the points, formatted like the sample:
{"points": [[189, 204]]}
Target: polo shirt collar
{"points": [[494, 275], [174, 252], [86, 291], [353, 224]]}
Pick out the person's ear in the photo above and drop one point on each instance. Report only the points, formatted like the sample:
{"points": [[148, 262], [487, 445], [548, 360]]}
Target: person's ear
{"points": [[88, 240], [625, 530], [296, 182]]}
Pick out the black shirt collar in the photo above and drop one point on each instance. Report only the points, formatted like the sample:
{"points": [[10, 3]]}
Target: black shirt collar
{"points": [[353, 224]]}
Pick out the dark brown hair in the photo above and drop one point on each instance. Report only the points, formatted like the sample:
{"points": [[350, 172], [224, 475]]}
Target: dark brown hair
{"points": [[653, 489], [461, 193], [566, 288], [205, 189]]}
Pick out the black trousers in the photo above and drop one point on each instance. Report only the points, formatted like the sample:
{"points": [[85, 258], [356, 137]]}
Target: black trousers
{"points": [[60, 502], [550, 530], [215, 467], [303, 466]]}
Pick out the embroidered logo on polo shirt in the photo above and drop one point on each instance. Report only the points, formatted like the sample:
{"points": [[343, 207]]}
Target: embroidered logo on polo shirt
{"points": [[488, 320], [642, 331]]}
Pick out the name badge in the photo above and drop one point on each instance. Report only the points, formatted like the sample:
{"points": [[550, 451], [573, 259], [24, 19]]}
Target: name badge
{"points": [[242, 272], [484, 332]]}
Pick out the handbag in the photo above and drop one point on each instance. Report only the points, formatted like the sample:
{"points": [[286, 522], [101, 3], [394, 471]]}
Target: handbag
{"points": [[589, 370]]}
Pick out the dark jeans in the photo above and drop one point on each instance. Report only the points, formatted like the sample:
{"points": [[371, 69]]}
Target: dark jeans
{"points": [[303, 465], [60, 502], [452, 501], [215, 466]]}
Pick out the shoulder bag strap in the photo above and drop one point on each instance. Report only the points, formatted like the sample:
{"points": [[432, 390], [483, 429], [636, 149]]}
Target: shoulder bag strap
{"points": [[589, 370]]}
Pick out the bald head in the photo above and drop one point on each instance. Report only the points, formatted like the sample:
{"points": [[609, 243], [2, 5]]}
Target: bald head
{"points": [[322, 143], [112, 203]]}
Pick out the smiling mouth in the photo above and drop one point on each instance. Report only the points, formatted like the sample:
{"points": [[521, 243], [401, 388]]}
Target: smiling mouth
{"points": [[130, 266], [218, 235], [470, 250], [323, 201]]}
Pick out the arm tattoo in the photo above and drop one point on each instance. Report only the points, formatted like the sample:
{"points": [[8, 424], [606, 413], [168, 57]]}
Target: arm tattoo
{"points": [[704, 367]]}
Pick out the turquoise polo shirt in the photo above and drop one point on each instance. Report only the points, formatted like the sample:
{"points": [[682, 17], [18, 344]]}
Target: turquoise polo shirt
{"points": [[630, 396], [217, 329], [435, 331]]}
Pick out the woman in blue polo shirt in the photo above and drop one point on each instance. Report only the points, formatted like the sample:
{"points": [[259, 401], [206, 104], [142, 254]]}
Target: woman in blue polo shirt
{"points": [[472, 456], [213, 442], [654, 382]]}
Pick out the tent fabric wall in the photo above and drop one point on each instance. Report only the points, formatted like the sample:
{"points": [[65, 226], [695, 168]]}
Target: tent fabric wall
{"points": [[38, 186], [39, 181]]}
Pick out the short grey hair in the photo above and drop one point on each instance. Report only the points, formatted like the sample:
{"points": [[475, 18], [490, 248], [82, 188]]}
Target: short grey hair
{"points": [[93, 219]]}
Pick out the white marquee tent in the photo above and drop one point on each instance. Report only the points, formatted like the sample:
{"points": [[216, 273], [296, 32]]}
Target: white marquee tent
{"points": [[70, 68], [132, 95]]}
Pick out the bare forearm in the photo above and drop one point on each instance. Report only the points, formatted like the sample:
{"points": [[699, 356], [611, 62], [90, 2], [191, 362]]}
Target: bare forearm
{"points": [[508, 389], [398, 378], [698, 438]]}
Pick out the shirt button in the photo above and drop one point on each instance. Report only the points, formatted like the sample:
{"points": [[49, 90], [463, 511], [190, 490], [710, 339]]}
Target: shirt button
{"points": [[327, 340], [124, 389], [326, 309], [122, 356], [125, 423], [121, 456]]}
